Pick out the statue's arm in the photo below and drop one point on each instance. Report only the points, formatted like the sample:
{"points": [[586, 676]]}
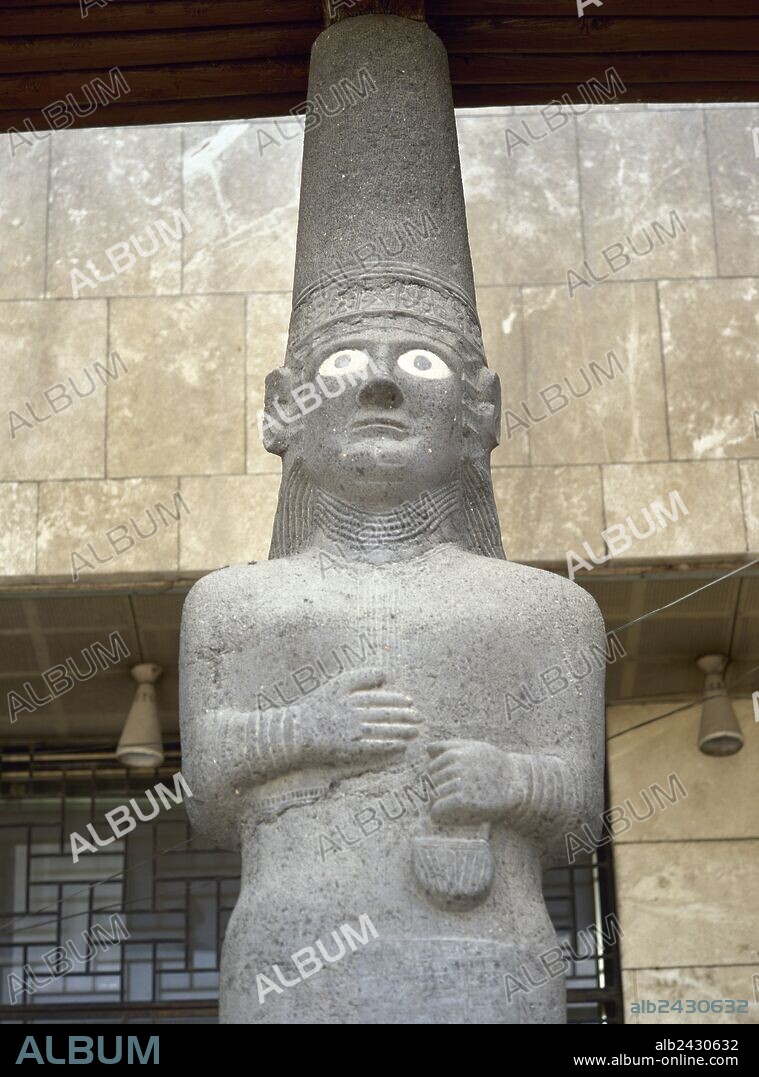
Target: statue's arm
{"points": [[556, 798], [554, 787], [251, 747], [477, 781], [230, 747], [563, 782], [227, 752]]}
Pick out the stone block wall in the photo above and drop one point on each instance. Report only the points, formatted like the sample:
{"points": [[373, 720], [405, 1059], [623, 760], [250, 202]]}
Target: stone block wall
{"points": [[686, 860], [666, 340]]}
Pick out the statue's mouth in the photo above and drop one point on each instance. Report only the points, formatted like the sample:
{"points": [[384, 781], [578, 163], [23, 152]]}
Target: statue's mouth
{"points": [[381, 425]]}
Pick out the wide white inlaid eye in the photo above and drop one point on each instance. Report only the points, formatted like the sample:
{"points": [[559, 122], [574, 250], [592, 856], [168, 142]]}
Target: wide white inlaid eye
{"points": [[347, 361], [424, 364]]}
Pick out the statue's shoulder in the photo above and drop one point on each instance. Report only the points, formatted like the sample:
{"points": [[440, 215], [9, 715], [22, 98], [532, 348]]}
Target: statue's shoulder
{"points": [[219, 586], [557, 599], [235, 594]]}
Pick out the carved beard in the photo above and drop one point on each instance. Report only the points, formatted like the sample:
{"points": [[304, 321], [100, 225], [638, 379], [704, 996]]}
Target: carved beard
{"points": [[299, 507]]}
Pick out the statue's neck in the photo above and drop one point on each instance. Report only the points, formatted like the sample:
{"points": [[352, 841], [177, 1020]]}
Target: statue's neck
{"points": [[405, 531]]}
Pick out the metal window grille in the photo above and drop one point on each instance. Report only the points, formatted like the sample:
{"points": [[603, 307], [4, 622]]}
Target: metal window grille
{"points": [[173, 894]]}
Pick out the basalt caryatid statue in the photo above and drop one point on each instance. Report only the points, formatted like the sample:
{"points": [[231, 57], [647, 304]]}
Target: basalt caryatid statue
{"points": [[345, 704]]}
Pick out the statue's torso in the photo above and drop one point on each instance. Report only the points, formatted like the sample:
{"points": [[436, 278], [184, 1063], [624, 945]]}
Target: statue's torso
{"points": [[456, 633]]}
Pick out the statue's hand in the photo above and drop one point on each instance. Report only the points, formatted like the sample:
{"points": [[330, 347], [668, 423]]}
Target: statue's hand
{"points": [[354, 717], [476, 783]]}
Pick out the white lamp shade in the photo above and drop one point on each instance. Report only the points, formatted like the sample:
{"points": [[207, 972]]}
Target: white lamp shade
{"points": [[140, 745], [719, 732]]}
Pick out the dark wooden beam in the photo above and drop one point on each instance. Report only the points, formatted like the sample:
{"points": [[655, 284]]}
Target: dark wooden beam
{"points": [[262, 106], [31, 18], [598, 35], [662, 67], [210, 59], [193, 82], [169, 47], [292, 10], [635, 93], [273, 77], [164, 48], [715, 8], [127, 113]]}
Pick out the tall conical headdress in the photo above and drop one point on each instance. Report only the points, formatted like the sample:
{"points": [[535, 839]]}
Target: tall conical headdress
{"points": [[382, 234], [382, 225]]}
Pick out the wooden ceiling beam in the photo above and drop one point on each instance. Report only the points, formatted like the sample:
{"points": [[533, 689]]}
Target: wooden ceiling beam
{"points": [[665, 8], [271, 76], [635, 93], [122, 16], [467, 36], [293, 10], [476, 36], [127, 113], [545, 35], [253, 107], [67, 53], [185, 58], [662, 67]]}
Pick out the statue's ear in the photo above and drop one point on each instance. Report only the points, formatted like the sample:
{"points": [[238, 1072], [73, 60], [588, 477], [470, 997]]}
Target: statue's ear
{"points": [[277, 414], [488, 407]]}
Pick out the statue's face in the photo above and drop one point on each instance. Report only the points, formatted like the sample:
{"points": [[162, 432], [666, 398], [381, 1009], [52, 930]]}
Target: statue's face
{"points": [[389, 425]]}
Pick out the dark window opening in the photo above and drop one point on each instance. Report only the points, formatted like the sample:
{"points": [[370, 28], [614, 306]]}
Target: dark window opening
{"points": [[134, 932]]}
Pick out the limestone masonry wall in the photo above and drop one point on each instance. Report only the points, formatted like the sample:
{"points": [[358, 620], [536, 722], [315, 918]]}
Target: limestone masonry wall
{"points": [[145, 296]]}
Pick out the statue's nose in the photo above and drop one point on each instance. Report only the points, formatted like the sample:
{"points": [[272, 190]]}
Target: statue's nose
{"points": [[380, 393]]}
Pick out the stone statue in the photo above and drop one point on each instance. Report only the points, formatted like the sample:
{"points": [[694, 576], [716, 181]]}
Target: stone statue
{"points": [[345, 705]]}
